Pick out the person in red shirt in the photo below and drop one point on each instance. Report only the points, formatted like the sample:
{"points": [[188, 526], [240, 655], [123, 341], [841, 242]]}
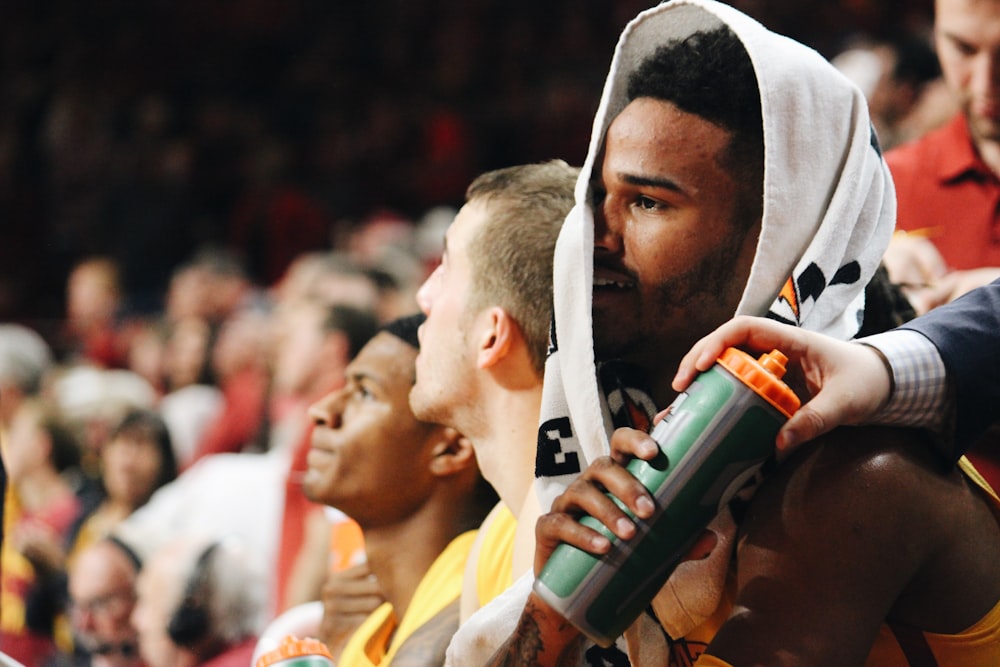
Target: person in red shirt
{"points": [[947, 185]]}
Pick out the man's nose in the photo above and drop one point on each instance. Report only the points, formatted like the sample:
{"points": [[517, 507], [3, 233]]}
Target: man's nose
{"points": [[84, 619], [327, 410], [425, 293], [986, 75], [607, 229]]}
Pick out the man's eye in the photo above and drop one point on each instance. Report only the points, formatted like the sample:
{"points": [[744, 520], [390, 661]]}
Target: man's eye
{"points": [[646, 203], [362, 392]]}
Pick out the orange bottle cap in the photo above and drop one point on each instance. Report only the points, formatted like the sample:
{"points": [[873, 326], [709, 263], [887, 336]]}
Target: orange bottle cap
{"points": [[293, 647], [763, 375]]}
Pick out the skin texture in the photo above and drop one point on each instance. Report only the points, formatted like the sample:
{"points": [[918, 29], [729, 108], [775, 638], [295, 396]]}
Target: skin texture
{"points": [[669, 261], [102, 589], [349, 596], [474, 371], [442, 385], [363, 419], [362, 433], [967, 41]]}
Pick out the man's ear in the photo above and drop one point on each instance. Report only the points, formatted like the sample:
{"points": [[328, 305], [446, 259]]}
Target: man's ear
{"points": [[452, 453], [496, 338]]}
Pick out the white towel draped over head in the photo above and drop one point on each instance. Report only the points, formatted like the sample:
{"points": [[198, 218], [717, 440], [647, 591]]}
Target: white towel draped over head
{"points": [[829, 210]]}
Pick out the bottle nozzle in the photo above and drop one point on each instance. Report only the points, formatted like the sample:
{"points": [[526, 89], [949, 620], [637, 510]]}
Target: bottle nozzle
{"points": [[774, 363]]}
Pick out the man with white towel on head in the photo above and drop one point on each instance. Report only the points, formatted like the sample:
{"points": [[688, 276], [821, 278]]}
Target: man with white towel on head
{"points": [[734, 171]]}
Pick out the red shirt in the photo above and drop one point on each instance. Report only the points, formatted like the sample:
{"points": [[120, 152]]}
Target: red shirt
{"points": [[944, 189]]}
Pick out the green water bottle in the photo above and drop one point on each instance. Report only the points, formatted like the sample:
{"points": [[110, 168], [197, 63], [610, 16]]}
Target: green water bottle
{"points": [[714, 439]]}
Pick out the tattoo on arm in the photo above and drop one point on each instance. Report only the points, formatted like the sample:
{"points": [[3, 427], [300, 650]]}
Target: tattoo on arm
{"points": [[542, 638]]}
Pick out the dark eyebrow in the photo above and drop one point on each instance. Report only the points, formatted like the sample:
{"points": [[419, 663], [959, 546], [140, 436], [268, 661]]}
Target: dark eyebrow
{"points": [[361, 376], [648, 181]]}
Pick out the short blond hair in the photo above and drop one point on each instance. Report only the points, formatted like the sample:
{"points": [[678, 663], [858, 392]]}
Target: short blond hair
{"points": [[511, 253]]}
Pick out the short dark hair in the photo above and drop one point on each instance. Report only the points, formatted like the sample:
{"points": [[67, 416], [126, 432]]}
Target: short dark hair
{"points": [[405, 329], [149, 426], [358, 324], [709, 74]]}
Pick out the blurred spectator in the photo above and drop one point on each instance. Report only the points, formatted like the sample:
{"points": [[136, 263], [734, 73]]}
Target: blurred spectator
{"points": [[894, 75], [212, 285], [101, 583], [94, 332], [94, 401], [25, 362], [258, 497], [200, 602], [136, 461], [242, 372], [38, 451], [192, 400]]}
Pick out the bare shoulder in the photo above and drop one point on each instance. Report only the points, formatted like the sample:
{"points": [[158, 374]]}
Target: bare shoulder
{"points": [[870, 512], [857, 477]]}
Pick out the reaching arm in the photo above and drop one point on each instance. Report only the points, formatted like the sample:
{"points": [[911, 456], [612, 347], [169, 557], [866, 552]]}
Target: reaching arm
{"points": [[848, 383]]}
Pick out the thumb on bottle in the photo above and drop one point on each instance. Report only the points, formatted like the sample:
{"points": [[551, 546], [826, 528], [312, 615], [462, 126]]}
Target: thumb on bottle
{"points": [[806, 424]]}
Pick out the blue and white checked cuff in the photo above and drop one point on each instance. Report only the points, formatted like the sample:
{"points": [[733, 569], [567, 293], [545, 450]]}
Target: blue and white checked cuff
{"points": [[920, 388]]}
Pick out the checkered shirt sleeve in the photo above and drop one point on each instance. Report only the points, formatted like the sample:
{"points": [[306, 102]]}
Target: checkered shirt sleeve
{"points": [[920, 396]]}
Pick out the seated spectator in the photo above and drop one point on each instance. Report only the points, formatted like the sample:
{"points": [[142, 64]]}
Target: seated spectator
{"points": [[101, 598], [135, 462], [94, 332], [200, 603], [192, 400], [242, 372], [40, 508]]}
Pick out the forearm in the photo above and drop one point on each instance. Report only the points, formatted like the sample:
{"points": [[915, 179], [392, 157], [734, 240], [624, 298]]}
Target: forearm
{"points": [[542, 637]]}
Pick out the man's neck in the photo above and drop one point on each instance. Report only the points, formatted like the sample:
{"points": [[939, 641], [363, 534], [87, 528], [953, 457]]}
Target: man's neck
{"points": [[506, 444], [400, 554]]}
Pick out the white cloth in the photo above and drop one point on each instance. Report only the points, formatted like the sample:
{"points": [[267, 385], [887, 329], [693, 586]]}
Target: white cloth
{"points": [[187, 412], [829, 210], [224, 494]]}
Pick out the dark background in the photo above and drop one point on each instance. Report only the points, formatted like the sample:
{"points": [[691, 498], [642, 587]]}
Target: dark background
{"points": [[143, 129]]}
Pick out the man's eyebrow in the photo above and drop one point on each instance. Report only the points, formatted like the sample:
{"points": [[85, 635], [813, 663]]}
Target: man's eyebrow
{"points": [[649, 181], [359, 376]]}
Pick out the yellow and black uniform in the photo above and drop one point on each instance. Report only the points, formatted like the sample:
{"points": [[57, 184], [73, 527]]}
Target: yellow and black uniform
{"points": [[379, 638], [495, 565]]}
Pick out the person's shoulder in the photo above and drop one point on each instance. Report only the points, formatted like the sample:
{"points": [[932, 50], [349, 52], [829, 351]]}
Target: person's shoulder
{"points": [[911, 156], [883, 482]]}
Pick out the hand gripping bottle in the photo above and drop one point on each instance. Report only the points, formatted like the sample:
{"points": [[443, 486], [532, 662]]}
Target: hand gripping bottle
{"points": [[295, 652], [714, 438]]}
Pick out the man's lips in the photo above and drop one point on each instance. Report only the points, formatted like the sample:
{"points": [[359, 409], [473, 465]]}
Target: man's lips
{"points": [[607, 279], [321, 446]]}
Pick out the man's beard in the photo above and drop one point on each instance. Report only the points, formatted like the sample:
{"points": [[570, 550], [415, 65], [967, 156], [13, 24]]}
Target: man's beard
{"points": [[708, 283]]}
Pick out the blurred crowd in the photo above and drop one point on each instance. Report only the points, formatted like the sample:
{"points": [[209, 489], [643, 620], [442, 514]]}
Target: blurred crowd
{"points": [[145, 130]]}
